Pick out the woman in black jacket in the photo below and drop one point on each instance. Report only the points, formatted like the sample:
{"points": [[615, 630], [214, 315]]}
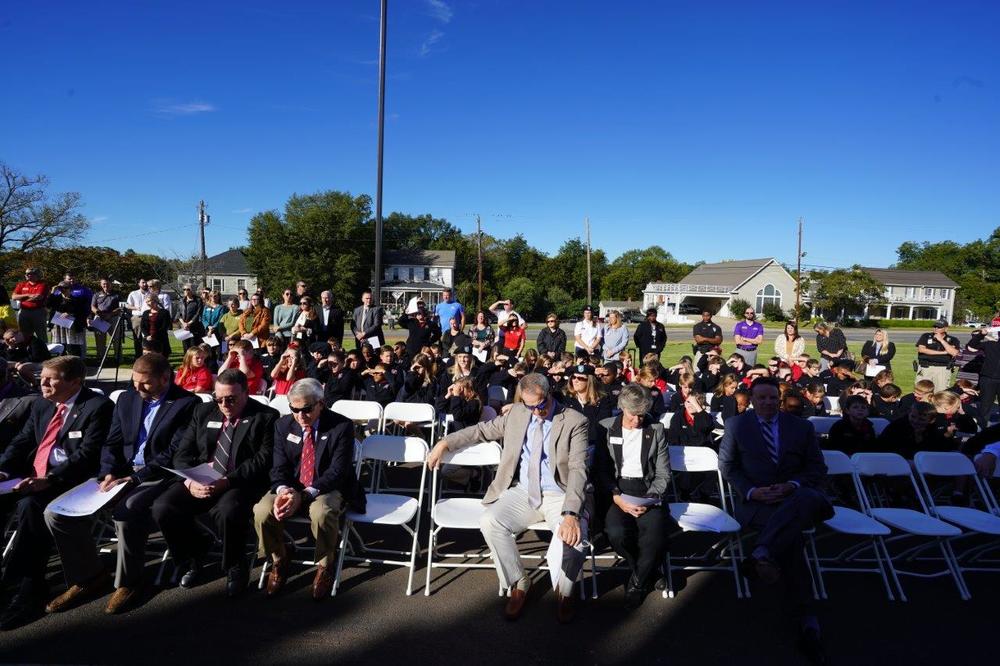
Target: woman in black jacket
{"points": [[878, 350], [581, 394], [155, 326], [189, 317], [418, 384]]}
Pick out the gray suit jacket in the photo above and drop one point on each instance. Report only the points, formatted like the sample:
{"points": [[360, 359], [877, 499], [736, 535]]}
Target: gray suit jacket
{"points": [[370, 325], [567, 448], [655, 458]]}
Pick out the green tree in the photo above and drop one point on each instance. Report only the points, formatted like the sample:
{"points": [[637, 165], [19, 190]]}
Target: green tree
{"points": [[89, 264], [526, 295], [559, 301], [568, 269], [628, 275], [323, 238], [843, 290]]}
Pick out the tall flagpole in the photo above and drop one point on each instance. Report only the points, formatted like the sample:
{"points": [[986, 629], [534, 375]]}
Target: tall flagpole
{"points": [[377, 279]]}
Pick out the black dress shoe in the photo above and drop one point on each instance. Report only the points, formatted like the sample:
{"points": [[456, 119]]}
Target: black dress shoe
{"points": [[25, 607], [192, 571], [634, 594], [237, 579], [811, 646]]}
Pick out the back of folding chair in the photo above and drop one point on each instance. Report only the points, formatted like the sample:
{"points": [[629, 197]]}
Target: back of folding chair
{"points": [[879, 425], [497, 395], [115, 395], [412, 412], [665, 419], [482, 454], [822, 424], [262, 399], [205, 397], [280, 402], [488, 414], [832, 404], [698, 459], [884, 464], [837, 463], [950, 464], [390, 448], [360, 410]]}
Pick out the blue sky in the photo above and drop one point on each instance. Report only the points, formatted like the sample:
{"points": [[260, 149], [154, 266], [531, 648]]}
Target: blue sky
{"points": [[705, 127]]}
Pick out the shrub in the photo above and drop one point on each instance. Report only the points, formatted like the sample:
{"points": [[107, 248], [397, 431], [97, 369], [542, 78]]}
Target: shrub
{"points": [[773, 312], [737, 306]]}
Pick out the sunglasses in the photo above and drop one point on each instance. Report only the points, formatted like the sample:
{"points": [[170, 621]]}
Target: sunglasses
{"points": [[551, 321], [579, 378], [226, 400], [302, 410]]}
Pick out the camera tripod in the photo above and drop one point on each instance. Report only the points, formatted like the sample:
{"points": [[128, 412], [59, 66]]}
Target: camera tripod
{"points": [[116, 337]]}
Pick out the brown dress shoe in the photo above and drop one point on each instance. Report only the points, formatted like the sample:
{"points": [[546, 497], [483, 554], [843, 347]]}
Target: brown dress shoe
{"points": [[121, 599], [322, 584], [276, 578], [515, 604], [77, 594], [566, 608]]}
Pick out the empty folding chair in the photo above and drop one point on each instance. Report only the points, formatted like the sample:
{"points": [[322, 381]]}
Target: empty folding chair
{"points": [[850, 522], [457, 513], [115, 395], [414, 413], [822, 425], [363, 412], [280, 402], [704, 518], [387, 509], [910, 522]]}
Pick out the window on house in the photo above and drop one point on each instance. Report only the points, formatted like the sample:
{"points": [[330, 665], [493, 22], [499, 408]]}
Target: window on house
{"points": [[911, 292], [218, 285], [411, 274], [241, 284], [395, 273], [427, 273], [928, 292], [943, 293], [767, 296]]}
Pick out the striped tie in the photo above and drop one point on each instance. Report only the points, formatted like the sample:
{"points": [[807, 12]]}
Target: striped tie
{"points": [[222, 449], [767, 432]]}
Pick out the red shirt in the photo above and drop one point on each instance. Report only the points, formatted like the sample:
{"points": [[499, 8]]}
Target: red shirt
{"points": [[199, 380], [26, 288], [282, 385], [255, 379], [512, 339]]}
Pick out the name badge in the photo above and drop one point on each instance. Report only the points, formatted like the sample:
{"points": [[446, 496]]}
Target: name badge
{"points": [[74, 434], [294, 439], [214, 425], [617, 440]]}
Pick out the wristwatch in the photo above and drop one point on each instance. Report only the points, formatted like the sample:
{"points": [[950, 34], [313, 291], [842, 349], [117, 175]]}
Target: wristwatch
{"points": [[570, 513]]}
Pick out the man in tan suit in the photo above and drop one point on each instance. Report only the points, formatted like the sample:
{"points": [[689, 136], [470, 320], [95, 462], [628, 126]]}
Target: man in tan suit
{"points": [[541, 477]]}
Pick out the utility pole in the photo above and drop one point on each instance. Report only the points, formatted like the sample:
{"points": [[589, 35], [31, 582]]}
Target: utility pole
{"points": [[479, 243], [798, 276], [203, 220], [377, 281], [589, 295]]}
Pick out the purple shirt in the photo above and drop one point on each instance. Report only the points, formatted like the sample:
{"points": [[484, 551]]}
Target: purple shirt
{"points": [[749, 331]]}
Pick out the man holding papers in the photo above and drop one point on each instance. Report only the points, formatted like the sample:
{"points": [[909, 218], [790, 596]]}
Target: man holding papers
{"points": [[236, 436], [313, 474], [58, 448], [633, 467], [146, 424]]}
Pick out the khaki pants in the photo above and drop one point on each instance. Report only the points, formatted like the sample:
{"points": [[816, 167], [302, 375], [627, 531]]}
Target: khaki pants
{"points": [[940, 375], [324, 519]]}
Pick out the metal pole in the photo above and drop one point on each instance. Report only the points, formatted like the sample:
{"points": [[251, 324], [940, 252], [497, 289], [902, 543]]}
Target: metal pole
{"points": [[377, 281], [479, 242], [798, 276], [201, 224], [589, 296]]}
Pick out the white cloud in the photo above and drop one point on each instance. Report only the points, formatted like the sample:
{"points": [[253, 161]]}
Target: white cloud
{"points": [[99, 218], [242, 211], [431, 40], [175, 108], [440, 10]]}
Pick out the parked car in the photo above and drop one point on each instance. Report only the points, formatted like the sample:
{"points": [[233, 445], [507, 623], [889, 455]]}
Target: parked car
{"points": [[633, 317], [689, 308]]}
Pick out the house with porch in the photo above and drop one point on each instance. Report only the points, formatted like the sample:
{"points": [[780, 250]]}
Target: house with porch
{"points": [[227, 274], [910, 295], [421, 273]]}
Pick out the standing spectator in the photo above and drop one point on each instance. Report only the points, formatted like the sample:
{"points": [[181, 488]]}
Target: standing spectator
{"points": [[878, 350], [367, 321], [448, 309], [211, 313], [748, 334], [164, 298], [483, 335], [72, 299], [244, 298], [135, 303], [616, 336], [263, 297], [514, 337], [707, 334], [104, 305], [229, 323], [422, 332], [551, 340], [989, 375], [301, 289], [8, 317], [285, 315], [502, 311], [832, 345], [155, 326], [306, 323], [789, 345], [255, 322], [935, 352], [650, 336], [189, 317], [32, 294], [331, 320], [587, 334]]}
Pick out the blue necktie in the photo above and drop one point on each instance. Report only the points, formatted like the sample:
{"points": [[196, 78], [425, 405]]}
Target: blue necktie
{"points": [[767, 432]]}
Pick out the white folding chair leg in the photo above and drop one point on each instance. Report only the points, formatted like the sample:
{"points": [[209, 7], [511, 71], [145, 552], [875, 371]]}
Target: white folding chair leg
{"points": [[812, 558], [263, 573], [10, 544], [341, 552]]}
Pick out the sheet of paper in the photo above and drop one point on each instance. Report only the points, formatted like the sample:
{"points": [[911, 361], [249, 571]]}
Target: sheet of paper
{"points": [[411, 307], [252, 339], [211, 340], [84, 500], [203, 473], [480, 355], [872, 370], [182, 334], [100, 325], [640, 501], [60, 320], [8, 485], [373, 341]]}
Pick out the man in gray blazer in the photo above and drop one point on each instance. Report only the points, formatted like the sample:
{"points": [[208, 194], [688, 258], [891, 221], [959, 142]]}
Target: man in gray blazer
{"points": [[367, 321], [776, 467], [541, 477]]}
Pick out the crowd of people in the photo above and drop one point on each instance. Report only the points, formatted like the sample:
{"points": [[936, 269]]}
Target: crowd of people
{"points": [[584, 429]]}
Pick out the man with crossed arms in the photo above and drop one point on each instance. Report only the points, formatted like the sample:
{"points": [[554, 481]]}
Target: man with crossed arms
{"points": [[541, 477]]}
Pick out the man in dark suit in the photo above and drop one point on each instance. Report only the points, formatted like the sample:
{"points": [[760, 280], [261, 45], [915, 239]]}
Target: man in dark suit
{"points": [[15, 404], [146, 425], [234, 435], [367, 321], [776, 467], [313, 474], [58, 447], [650, 336], [331, 320]]}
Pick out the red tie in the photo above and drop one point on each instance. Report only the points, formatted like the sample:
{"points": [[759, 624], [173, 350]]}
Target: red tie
{"points": [[307, 466], [48, 441]]}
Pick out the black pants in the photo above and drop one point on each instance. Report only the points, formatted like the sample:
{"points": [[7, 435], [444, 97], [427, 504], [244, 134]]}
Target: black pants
{"points": [[989, 389], [29, 554], [641, 541], [176, 511]]}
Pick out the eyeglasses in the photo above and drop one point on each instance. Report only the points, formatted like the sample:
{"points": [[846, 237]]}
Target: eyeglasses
{"points": [[226, 399], [579, 378], [550, 321], [304, 409]]}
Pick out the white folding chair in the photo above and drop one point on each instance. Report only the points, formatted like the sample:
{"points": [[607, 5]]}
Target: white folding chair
{"points": [[458, 513], [262, 399], [280, 402], [879, 424], [386, 508], [205, 397], [832, 404], [704, 518], [910, 522], [115, 395], [666, 418], [361, 411], [822, 424], [850, 522], [97, 390], [55, 349], [418, 413], [974, 521]]}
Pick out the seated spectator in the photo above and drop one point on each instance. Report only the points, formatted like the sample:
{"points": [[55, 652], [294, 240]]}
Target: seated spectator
{"points": [[501, 371], [967, 393], [810, 373], [402, 358], [317, 360], [194, 375], [792, 403], [708, 379], [923, 391], [919, 431], [683, 388], [581, 394], [241, 357], [354, 361], [24, 356], [742, 402], [859, 388], [649, 378], [692, 425], [627, 370], [393, 371], [462, 403], [608, 382], [725, 397], [887, 402], [639, 534], [15, 404], [377, 384], [951, 412], [853, 433], [684, 365], [551, 341], [418, 384], [289, 369], [840, 377], [815, 404], [270, 353], [155, 326], [339, 378], [368, 359], [882, 378], [463, 365], [738, 366]]}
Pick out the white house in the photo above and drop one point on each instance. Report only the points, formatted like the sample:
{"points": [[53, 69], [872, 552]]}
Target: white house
{"points": [[227, 274], [911, 295], [421, 273]]}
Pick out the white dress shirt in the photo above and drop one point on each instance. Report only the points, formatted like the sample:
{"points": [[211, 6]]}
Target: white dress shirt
{"points": [[631, 453]]}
